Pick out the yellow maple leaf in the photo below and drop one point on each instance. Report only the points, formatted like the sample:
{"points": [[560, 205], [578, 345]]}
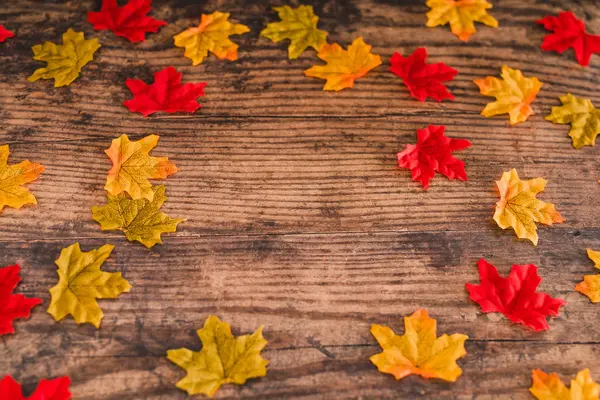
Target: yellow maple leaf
{"points": [[12, 177], [65, 61], [550, 387], [590, 286], [514, 94], [419, 351], [583, 117], [81, 282], [300, 26], [140, 219], [133, 165], [344, 66], [223, 358], [519, 209], [461, 15], [211, 35]]}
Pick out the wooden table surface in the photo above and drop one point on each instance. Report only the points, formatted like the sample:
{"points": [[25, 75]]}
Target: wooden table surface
{"points": [[298, 217]]}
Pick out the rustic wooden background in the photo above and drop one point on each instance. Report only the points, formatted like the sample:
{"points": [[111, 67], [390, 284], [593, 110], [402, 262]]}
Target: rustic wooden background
{"points": [[297, 216]]}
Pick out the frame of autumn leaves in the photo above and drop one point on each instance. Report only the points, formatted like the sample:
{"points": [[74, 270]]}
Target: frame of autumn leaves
{"points": [[133, 204]]}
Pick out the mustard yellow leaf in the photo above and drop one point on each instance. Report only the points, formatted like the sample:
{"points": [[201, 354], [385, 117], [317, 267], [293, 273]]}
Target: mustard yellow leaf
{"points": [[591, 283], [583, 117], [419, 351], [519, 209], [81, 282], [343, 67], [514, 94], [299, 25], [133, 165], [12, 177], [461, 15], [550, 387], [140, 219], [65, 61], [211, 35], [223, 359]]}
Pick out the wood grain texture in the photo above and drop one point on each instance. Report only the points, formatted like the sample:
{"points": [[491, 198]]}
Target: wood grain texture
{"points": [[297, 215]]}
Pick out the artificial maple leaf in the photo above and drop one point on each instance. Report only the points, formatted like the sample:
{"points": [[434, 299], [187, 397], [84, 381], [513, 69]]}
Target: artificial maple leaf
{"points": [[140, 219], [129, 21], [13, 306], [344, 66], [591, 283], [461, 15], [5, 34], [53, 389], [299, 25], [211, 35], [515, 296], [165, 94], [583, 117], [133, 166], [519, 209], [223, 359], [569, 32], [514, 94], [65, 61], [550, 387], [420, 78], [12, 177], [419, 351], [433, 152], [81, 282]]}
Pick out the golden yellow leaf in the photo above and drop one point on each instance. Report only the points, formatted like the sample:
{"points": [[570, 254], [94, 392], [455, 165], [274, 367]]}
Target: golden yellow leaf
{"points": [[81, 282], [461, 15], [12, 177], [133, 165], [583, 117], [514, 94], [211, 35], [300, 26], [419, 351], [344, 66], [519, 209], [591, 283], [550, 387], [140, 219], [65, 61], [223, 358]]}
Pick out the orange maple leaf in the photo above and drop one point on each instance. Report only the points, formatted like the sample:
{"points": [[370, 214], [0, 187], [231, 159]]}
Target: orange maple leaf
{"points": [[12, 177], [550, 387]]}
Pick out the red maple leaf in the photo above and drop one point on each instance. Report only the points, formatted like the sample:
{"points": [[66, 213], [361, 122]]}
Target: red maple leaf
{"points": [[13, 306], [433, 152], [129, 21], [54, 389], [515, 296], [423, 79], [569, 32], [5, 34], [165, 94]]}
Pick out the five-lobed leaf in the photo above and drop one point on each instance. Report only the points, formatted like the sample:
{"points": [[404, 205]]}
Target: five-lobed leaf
{"points": [[133, 166], [5, 34], [550, 387], [461, 15], [65, 61], [129, 21], [583, 117], [519, 208], [223, 359], [514, 94], [13, 306], [344, 66], [515, 296], [140, 219], [590, 286], [47, 389], [419, 351], [211, 35], [12, 177], [299, 25]]}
